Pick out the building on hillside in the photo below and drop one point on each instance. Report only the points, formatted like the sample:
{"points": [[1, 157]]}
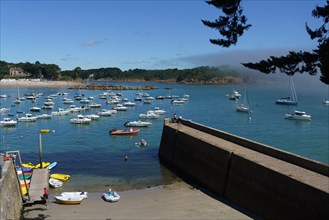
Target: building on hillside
{"points": [[16, 71]]}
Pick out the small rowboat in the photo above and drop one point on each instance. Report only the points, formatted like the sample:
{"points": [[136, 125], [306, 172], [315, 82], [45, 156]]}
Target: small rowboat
{"points": [[52, 165], [111, 196], [27, 176], [137, 124], [55, 183], [44, 165], [124, 132], [60, 176], [82, 194], [69, 200]]}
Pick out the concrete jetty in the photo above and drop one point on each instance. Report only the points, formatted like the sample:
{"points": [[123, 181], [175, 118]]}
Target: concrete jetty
{"points": [[272, 183]]}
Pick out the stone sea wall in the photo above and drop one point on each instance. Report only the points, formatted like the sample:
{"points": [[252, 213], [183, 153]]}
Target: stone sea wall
{"points": [[271, 183], [11, 203]]}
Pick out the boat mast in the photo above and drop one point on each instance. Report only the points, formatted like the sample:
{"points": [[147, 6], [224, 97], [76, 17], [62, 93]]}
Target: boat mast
{"points": [[293, 90]]}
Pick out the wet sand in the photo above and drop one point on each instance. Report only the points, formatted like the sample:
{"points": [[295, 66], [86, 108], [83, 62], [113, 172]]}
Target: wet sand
{"points": [[176, 201]]}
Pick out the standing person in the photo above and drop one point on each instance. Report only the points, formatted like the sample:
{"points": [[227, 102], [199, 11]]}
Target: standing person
{"points": [[45, 195]]}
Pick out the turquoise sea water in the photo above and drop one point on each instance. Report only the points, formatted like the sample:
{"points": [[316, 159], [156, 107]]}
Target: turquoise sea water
{"points": [[95, 160]]}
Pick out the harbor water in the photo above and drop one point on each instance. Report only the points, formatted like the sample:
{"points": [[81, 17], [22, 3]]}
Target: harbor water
{"points": [[96, 160]]}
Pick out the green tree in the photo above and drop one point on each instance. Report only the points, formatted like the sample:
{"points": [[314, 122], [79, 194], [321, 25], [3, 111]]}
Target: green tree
{"points": [[76, 73], [232, 25]]}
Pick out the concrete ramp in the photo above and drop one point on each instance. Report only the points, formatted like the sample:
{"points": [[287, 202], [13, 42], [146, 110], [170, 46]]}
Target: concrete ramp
{"points": [[39, 181]]}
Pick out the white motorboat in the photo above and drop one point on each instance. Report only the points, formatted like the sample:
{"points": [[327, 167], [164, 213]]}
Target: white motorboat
{"points": [[82, 194], [80, 119], [177, 102], [242, 108], [69, 200], [113, 101], [149, 115], [3, 110], [298, 115], [105, 112], [35, 109], [130, 104], [43, 116], [93, 116], [137, 123], [95, 105], [84, 100], [8, 122], [159, 111], [326, 101], [235, 95], [74, 108], [67, 101], [55, 183], [111, 196], [120, 107], [27, 118], [61, 111]]}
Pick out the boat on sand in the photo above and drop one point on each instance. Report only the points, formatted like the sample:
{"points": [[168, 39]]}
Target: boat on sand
{"points": [[111, 196], [69, 200], [55, 183], [60, 176], [82, 194]]}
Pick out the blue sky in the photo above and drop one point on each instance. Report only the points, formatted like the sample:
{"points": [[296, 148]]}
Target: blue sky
{"points": [[149, 34]]}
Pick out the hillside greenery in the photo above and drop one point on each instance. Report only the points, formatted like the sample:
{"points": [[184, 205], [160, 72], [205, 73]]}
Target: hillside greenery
{"points": [[53, 72]]}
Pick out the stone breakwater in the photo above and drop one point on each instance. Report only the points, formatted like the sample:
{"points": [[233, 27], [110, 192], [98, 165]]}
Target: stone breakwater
{"points": [[117, 87], [271, 183]]}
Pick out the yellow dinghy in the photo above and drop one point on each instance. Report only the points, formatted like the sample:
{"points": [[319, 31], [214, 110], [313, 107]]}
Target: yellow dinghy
{"points": [[60, 176], [28, 165], [44, 165]]}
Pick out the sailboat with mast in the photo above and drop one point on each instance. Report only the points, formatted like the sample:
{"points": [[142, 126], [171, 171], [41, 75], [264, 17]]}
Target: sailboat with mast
{"points": [[243, 107], [292, 99], [18, 99]]}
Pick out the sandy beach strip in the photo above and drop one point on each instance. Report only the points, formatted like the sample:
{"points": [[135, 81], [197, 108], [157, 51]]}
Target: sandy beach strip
{"points": [[176, 201], [39, 84]]}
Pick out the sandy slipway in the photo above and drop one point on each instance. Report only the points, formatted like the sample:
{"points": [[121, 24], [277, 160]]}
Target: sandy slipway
{"points": [[176, 201]]}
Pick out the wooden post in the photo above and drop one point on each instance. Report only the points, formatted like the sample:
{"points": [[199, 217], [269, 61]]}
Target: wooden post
{"points": [[40, 150]]}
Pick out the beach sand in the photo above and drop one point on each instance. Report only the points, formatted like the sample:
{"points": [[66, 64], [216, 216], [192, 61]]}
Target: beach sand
{"points": [[40, 84], [176, 201]]}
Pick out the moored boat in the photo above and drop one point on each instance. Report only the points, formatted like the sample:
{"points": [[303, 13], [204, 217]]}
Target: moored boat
{"points": [[82, 194], [124, 132], [8, 122], [298, 115], [55, 183], [292, 99], [60, 176], [27, 118], [137, 123], [69, 200], [80, 119]]}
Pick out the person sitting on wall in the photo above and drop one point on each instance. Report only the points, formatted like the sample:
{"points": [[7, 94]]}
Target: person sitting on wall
{"points": [[174, 120]]}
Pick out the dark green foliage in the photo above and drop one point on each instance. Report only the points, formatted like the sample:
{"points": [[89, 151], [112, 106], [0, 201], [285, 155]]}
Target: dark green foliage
{"points": [[310, 62], [36, 70], [232, 25]]}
